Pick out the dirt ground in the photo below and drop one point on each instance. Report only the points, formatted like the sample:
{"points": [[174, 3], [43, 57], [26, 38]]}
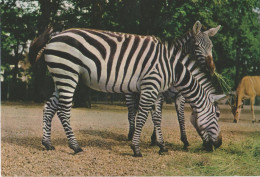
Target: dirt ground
{"points": [[102, 133]]}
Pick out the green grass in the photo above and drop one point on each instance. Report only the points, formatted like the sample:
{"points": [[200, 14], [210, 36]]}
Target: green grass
{"points": [[233, 158]]}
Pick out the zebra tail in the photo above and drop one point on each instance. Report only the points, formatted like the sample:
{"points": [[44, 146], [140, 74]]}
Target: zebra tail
{"points": [[38, 45]]}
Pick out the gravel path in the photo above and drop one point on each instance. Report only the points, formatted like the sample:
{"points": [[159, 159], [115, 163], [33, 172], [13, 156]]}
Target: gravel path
{"points": [[102, 133]]}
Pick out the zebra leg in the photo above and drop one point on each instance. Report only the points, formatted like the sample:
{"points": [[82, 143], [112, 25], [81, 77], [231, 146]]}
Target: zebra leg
{"points": [[132, 109], [49, 111], [64, 108], [153, 137], [147, 99], [179, 105], [157, 119]]}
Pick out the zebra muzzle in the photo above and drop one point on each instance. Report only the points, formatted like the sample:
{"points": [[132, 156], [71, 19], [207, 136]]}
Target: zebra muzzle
{"points": [[218, 143], [210, 145]]}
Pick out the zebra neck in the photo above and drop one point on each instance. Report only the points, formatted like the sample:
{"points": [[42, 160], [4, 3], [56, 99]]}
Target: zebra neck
{"points": [[194, 91], [185, 43]]}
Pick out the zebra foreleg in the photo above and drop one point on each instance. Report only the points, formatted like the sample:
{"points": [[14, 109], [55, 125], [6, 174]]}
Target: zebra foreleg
{"points": [[153, 137], [147, 99], [132, 109], [49, 111], [65, 103], [179, 105], [157, 118]]}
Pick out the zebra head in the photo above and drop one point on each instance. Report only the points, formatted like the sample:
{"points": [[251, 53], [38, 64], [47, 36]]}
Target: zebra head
{"points": [[206, 123], [203, 45]]}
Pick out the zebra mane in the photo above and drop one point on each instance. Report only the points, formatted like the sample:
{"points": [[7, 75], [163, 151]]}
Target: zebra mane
{"points": [[199, 73], [39, 54]]}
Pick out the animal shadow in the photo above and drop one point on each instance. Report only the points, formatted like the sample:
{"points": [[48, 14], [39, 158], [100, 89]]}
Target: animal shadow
{"points": [[102, 139], [32, 142]]}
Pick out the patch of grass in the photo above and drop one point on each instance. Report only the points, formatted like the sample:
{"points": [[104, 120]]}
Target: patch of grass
{"points": [[234, 158], [223, 82]]}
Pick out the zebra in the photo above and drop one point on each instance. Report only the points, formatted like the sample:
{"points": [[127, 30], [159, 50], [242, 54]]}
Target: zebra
{"points": [[108, 62], [199, 45], [203, 101]]}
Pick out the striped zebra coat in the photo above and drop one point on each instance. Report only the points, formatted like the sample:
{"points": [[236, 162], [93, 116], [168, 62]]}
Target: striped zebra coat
{"points": [[198, 45], [107, 62]]}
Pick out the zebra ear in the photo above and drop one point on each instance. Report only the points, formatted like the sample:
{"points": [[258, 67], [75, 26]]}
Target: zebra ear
{"points": [[196, 27], [212, 31], [215, 98]]}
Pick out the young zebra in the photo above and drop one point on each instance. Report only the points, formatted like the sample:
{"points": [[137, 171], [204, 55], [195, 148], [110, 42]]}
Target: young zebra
{"points": [[108, 62], [195, 43]]}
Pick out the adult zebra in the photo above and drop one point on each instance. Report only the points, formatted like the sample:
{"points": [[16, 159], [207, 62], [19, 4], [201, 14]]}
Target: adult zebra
{"points": [[195, 43], [108, 62]]}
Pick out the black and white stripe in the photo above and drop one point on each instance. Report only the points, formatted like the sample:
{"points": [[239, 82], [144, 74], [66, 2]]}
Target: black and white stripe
{"points": [[195, 87], [107, 62], [197, 44]]}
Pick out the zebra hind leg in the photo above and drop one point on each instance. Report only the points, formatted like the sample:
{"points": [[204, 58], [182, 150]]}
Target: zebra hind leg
{"points": [[157, 137], [64, 108], [131, 103], [49, 111], [179, 105]]}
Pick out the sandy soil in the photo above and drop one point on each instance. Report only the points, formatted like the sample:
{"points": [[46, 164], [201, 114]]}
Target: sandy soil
{"points": [[102, 133]]}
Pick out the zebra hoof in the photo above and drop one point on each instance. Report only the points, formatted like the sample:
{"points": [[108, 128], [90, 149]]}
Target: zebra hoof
{"points": [[253, 121], [235, 121], [186, 143], [48, 146], [153, 139], [162, 151], [185, 147], [77, 150], [138, 154], [136, 151], [153, 143]]}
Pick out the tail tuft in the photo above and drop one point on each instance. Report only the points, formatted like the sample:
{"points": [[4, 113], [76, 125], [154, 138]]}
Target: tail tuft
{"points": [[38, 44]]}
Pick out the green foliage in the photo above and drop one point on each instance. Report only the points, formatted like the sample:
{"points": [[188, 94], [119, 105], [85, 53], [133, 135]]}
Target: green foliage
{"points": [[236, 46]]}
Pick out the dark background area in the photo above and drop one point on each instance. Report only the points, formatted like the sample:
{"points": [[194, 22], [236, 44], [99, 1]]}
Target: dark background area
{"points": [[236, 50]]}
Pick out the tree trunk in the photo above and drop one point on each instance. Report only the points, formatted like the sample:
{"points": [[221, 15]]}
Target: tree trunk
{"points": [[238, 65], [48, 9]]}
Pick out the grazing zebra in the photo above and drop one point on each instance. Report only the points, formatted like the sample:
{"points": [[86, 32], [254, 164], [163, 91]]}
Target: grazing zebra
{"points": [[195, 43], [107, 62], [197, 90]]}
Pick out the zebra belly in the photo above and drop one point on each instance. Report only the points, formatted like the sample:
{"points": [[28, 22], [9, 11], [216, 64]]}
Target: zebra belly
{"points": [[111, 87]]}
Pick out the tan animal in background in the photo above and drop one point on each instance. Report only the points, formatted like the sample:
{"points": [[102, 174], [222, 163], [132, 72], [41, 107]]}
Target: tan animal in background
{"points": [[248, 88]]}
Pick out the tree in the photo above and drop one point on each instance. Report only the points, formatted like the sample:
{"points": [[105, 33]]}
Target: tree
{"points": [[236, 48], [15, 36], [239, 40]]}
